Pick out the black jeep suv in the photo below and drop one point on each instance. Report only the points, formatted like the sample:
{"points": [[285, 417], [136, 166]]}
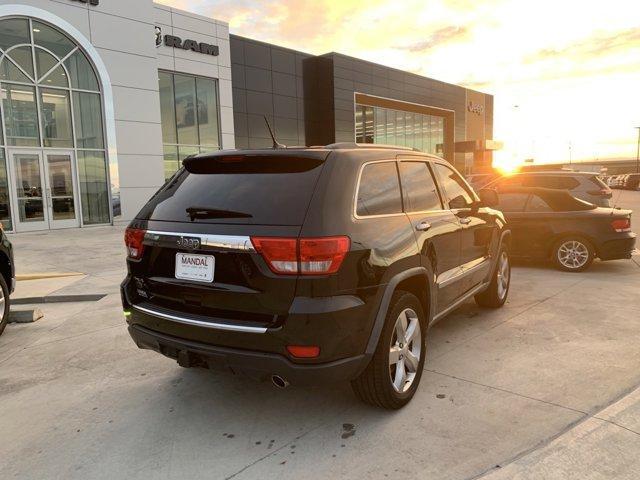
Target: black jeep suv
{"points": [[308, 265]]}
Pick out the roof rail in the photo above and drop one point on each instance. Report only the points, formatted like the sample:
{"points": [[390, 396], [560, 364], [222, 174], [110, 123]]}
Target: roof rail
{"points": [[352, 145]]}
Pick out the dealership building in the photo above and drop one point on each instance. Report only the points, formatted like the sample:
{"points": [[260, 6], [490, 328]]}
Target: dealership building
{"points": [[102, 99]]}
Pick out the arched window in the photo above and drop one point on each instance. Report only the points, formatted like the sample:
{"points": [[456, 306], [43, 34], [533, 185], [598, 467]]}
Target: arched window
{"points": [[51, 98]]}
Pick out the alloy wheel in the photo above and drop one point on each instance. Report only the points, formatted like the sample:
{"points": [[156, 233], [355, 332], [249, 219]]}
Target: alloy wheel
{"points": [[503, 274], [573, 254], [405, 350]]}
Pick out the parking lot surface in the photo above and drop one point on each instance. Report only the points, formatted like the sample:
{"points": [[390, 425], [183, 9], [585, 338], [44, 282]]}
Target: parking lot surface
{"points": [[546, 387]]}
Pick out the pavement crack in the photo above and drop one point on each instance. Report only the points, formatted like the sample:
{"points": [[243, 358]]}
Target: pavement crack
{"points": [[508, 319], [552, 438], [553, 404]]}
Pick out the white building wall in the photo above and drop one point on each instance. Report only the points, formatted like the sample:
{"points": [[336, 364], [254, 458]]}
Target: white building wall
{"points": [[123, 33]]}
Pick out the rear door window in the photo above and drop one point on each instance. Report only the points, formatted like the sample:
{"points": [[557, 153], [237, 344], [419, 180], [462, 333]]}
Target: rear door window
{"points": [[379, 190], [512, 202], [537, 204], [419, 188], [267, 190]]}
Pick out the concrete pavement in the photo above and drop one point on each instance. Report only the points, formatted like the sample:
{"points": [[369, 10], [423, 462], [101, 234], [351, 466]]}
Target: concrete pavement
{"points": [[546, 388]]}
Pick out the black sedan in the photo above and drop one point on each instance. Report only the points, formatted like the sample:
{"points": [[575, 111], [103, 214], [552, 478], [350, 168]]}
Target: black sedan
{"points": [[551, 224]]}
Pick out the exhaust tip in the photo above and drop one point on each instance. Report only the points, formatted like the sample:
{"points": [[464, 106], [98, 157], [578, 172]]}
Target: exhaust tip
{"points": [[279, 382]]}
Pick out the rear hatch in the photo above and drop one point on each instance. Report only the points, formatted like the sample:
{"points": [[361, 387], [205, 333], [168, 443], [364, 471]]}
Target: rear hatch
{"points": [[198, 258]]}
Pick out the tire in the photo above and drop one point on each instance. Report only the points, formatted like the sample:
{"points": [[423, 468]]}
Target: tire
{"points": [[375, 385], [573, 254], [5, 305], [496, 294]]}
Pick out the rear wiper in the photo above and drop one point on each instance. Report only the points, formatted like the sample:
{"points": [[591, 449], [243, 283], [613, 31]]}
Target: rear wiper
{"points": [[204, 212]]}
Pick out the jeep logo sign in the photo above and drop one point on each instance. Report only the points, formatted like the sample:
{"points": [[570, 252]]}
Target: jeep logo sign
{"points": [[476, 108], [177, 42]]}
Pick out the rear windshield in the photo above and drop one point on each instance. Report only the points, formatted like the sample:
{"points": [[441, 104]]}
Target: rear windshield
{"points": [[264, 190]]}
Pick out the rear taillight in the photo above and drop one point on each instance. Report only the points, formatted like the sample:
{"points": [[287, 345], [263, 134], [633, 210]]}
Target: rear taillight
{"points": [[134, 241], [621, 225], [304, 256], [281, 254], [322, 255]]}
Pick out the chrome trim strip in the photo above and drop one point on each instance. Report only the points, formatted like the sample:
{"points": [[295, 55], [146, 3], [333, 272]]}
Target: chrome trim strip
{"points": [[189, 321], [458, 273], [458, 302], [240, 243]]}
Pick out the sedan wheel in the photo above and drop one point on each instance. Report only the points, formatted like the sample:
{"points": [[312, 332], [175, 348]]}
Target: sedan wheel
{"points": [[573, 254], [404, 352]]}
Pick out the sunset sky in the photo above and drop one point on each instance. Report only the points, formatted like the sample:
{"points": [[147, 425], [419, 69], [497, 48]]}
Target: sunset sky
{"points": [[565, 73]]}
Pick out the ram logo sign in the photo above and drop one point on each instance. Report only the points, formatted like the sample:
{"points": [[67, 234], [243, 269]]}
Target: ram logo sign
{"points": [[199, 47]]}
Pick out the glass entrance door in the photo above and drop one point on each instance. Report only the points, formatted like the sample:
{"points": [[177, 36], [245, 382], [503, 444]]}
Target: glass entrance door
{"points": [[44, 190], [29, 191], [60, 190]]}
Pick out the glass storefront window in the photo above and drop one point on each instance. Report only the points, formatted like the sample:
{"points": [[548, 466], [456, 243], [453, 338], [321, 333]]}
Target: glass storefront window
{"points": [[185, 98], [43, 107], [56, 118], [23, 58], [167, 108], [14, 31], [5, 203], [52, 39], [88, 120], [20, 115], [396, 127], [81, 72], [171, 162], [190, 117], [207, 92], [94, 194]]}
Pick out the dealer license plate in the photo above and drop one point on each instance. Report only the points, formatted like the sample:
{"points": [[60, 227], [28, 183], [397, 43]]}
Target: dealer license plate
{"points": [[199, 268]]}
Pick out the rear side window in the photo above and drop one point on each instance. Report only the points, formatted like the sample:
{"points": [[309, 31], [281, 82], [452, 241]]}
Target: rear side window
{"points": [[549, 181], [419, 188], [265, 190], [537, 204], [379, 190], [454, 187], [512, 202]]}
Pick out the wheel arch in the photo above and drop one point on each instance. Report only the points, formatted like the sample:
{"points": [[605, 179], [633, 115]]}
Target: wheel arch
{"points": [[415, 280]]}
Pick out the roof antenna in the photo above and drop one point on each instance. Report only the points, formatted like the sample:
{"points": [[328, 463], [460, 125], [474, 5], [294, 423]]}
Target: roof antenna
{"points": [[276, 144]]}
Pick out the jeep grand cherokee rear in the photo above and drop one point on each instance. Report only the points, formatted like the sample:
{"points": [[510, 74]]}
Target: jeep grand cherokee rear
{"points": [[289, 264]]}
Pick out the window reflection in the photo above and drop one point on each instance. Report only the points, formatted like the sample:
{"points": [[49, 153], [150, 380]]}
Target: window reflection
{"points": [[396, 127], [190, 117], [379, 190]]}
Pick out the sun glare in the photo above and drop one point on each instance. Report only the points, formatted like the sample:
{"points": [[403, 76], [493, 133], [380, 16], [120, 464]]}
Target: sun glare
{"points": [[506, 163]]}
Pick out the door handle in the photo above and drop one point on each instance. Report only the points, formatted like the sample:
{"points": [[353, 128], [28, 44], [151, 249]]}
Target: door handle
{"points": [[465, 220], [423, 226]]}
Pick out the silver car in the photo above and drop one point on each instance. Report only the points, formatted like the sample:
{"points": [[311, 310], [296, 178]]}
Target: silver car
{"points": [[586, 186]]}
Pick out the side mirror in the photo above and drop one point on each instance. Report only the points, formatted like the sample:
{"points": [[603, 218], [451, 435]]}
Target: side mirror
{"points": [[489, 197]]}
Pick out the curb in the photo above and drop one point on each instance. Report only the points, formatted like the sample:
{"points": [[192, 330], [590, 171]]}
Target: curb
{"points": [[42, 276], [58, 299]]}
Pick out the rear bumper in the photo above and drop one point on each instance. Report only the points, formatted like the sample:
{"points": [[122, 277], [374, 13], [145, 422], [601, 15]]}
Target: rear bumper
{"points": [[618, 248], [257, 365]]}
